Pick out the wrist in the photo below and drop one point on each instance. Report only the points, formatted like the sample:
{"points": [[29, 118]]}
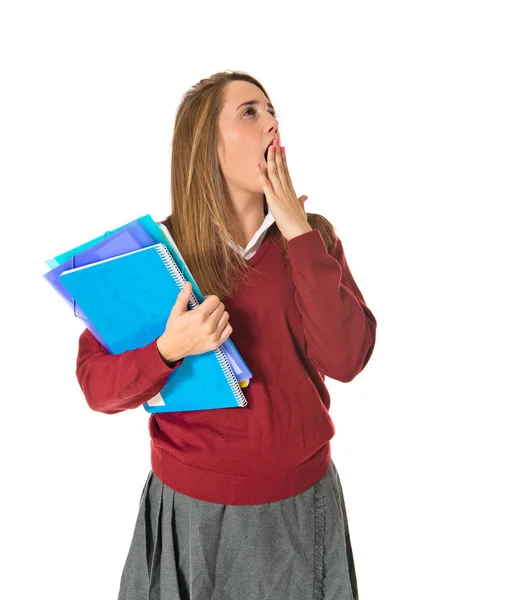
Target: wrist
{"points": [[298, 232], [168, 357]]}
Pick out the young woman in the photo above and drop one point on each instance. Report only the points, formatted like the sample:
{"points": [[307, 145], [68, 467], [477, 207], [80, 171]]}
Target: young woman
{"points": [[242, 503]]}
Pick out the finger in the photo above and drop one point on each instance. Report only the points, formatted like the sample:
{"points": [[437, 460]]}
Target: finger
{"points": [[209, 305], [286, 172], [222, 333], [265, 183], [225, 334], [281, 168], [273, 174], [222, 322], [217, 315], [182, 297]]}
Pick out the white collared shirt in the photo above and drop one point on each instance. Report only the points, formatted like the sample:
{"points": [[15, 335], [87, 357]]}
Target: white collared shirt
{"points": [[254, 244]]}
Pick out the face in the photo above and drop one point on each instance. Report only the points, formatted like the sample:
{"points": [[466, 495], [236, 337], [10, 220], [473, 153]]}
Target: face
{"points": [[246, 130]]}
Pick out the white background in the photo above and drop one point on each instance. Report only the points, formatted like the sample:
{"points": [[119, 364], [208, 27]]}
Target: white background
{"points": [[405, 124]]}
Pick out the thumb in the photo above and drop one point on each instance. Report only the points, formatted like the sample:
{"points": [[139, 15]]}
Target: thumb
{"points": [[184, 297], [303, 198]]}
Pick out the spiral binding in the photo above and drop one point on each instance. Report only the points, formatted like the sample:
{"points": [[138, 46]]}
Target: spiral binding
{"points": [[176, 273]]}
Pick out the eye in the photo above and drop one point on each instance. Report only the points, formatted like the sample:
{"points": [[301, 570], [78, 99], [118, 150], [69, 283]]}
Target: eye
{"points": [[253, 112]]}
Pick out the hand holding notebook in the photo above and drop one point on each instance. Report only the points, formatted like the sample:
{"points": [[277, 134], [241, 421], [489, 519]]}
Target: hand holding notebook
{"points": [[123, 285], [129, 299], [193, 332]]}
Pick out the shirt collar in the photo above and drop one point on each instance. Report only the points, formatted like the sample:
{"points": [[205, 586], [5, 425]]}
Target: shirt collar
{"points": [[257, 238]]}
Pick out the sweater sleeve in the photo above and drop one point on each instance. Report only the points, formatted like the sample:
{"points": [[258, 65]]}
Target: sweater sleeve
{"points": [[340, 330], [112, 383]]}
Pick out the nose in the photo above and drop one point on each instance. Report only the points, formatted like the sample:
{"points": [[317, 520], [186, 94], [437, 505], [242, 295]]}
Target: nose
{"points": [[274, 122]]}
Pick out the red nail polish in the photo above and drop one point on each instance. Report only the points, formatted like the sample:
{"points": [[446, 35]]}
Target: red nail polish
{"points": [[282, 149]]}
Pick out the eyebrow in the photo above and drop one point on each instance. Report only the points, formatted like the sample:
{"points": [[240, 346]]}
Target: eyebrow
{"points": [[252, 103]]}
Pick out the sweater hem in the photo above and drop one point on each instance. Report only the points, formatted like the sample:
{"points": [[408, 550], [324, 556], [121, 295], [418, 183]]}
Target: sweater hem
{"points": [[225, 488]]}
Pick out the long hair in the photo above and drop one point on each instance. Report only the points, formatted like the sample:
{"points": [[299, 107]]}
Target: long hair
{"points": [[201, 222]]}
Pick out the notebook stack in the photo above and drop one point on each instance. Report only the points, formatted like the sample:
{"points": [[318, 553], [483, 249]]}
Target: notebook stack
{"points": [[123, 286]]}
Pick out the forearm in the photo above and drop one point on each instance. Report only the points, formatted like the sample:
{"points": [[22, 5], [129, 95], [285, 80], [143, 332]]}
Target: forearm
{"points": [[113, 383], [339, 328]]}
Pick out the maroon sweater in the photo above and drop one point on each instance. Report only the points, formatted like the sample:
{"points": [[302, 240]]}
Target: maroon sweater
{"points": [[294, 322]]}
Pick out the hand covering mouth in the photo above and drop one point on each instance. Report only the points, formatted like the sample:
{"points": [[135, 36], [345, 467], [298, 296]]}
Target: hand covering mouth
{"points": [[265, 154]]}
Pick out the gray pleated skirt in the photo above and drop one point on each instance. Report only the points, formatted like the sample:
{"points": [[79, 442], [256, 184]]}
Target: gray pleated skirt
{"points": [[294, 549]]}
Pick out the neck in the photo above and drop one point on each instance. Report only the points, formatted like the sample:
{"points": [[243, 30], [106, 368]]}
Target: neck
{"points": [[248, 211]]}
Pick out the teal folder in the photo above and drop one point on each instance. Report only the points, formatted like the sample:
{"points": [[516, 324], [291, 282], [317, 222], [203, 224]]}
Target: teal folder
{"points": [[140, 229], [128, 298]]}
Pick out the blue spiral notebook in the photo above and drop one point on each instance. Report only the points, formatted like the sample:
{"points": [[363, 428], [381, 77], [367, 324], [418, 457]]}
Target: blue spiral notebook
{"points": [[137, 234], [128, 298]]}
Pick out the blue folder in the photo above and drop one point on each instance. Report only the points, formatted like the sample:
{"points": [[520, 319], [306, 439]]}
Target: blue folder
{"points": [[128, 298], [140, 233], [130, 237]]}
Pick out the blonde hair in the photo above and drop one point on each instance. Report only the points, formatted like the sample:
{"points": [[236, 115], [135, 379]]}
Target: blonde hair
{"points": [[201, 220]]}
